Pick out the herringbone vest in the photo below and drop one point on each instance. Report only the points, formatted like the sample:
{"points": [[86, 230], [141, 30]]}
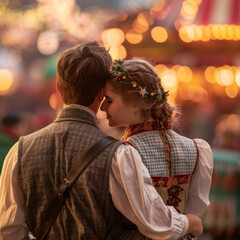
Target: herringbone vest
{"points": [[89, 212]]}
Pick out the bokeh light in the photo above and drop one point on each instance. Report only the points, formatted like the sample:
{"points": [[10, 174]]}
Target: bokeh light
{"points": [[184, 74], [169, 79], [134, 37], [114, 37], [48, 42], [55, 101], [140, 25], [237, 78], [189, 9], [159, 34], [6, 81], [209, 74], [160, 68], [231, 91], [205, 33], [118, 52], [233, 122]]}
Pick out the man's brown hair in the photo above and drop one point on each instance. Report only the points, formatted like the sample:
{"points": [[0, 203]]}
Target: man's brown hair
{"points": [[82, 72]]}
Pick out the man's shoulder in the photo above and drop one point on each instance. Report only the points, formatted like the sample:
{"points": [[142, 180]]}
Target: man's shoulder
{"points": [[37, 132]]}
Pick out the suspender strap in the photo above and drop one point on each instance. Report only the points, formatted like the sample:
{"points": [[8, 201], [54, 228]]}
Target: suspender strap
{"points": [[71, 178]]}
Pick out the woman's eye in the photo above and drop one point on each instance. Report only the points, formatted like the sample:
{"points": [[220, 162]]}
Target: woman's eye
{"points": [[109, 101]]}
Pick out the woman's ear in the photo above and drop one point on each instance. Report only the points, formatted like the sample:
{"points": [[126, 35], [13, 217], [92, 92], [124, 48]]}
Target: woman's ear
{"points": [[100, 96]]}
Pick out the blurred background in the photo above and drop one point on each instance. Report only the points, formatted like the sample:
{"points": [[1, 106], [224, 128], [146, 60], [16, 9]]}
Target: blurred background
{"points": [[194, 44]]}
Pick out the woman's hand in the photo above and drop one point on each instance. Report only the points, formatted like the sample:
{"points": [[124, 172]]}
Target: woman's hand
{"points": [[195, 225]]}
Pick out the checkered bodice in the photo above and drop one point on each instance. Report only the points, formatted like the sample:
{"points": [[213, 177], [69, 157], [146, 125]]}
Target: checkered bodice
{"points": [[151, 149], [172, 185]]}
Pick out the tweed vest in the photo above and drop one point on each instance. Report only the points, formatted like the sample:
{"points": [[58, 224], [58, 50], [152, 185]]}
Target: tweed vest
{"points": [[88, 212], [171, 179]]}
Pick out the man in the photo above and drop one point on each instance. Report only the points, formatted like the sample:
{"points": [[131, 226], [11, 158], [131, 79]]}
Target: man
{"points": [[35, 167]]}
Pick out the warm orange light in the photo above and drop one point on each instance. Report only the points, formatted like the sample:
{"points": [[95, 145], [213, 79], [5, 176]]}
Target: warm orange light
{"points": [[223, 31], [172, 97], [237, 78], [160, 68], [209, 74], [220, 128], [231, 91], [169, 79], [118, 52], [184, 35], [184, 74], [104, 36], [115, 37], [198, 33], [178, 23], [215, 31], [175, 67], [232, 122], [200, 94], [218, 90], [183, 92], [236, 31], [157, 8], [159, 34], [140, 27], [205, 35], [208, 31], [142, 20], [226, 76], [189, 10], [6, 81], [230, 32], [133, 37], [218, 76], [190, 92], [191, 32], [145, 19], [190, 7], [55, 101], [198, 2]]}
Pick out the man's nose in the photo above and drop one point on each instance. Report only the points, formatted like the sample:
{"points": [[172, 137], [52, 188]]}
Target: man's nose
{"points": [[103, 106]]}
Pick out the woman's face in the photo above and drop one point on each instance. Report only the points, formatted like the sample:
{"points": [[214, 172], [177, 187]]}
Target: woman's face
{"points": [[118, 113]]}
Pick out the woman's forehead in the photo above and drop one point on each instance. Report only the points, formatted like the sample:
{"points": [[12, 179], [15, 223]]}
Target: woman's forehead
{"points": [[109, 91], [108, 88]]}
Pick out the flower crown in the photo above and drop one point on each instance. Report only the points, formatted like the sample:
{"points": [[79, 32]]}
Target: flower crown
{"points": [[123, 77]]}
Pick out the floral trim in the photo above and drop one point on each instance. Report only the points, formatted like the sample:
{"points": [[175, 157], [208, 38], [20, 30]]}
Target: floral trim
{"points": [[171, 181], [173, 185], [147, 126]]}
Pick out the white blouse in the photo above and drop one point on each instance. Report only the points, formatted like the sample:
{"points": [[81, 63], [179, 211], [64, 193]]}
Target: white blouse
{"points": [[132, 192]]}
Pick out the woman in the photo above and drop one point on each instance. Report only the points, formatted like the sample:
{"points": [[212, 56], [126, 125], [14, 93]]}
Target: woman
{"points": [[181, 168]]}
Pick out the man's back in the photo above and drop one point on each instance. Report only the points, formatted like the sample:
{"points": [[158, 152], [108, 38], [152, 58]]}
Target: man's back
{"points": [[47, 157]]}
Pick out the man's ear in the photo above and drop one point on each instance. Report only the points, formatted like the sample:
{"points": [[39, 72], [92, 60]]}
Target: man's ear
{"points": [[100, 96], [57, 86]]}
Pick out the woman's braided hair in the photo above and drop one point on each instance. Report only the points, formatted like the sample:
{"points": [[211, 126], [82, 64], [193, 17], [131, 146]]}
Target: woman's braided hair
{"points": [[146, 77]]}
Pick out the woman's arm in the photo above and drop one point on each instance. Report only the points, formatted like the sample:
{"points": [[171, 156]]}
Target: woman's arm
{"points": [[199, 188], [135, 197]]}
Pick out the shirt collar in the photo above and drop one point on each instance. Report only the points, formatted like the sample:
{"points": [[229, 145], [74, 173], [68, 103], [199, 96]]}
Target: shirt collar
{"points": [[81, 107]]}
